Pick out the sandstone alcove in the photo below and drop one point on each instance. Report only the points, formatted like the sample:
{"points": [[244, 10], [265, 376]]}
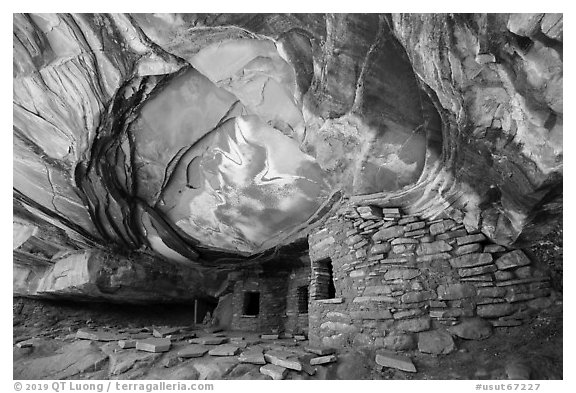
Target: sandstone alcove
{"points": [[389, 182]]}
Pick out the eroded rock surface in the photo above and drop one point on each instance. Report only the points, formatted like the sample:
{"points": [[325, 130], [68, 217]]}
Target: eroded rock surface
{"points": [[217, 140]]}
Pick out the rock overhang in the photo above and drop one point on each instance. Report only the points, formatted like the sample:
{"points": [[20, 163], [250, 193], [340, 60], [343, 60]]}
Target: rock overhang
{"points": [[216, 149], [361, 98]]}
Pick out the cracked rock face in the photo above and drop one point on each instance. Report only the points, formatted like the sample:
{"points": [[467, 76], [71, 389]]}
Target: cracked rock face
{"points": [[211, 140]]}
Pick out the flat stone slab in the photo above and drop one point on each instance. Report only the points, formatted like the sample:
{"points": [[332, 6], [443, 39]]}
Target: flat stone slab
{"points": [[305, 360], [320, 351], [323, 360], [253, 340], [468, 248], [252, 356], [25, 344], [512, 260], [122, 361], [98, 335], [182, 336], [336, 300], [397, 241], [279, 352], [388, 233], [269, 336], [286, 342], [441, 227], [477, 237], [455, 291], [273, 371], [283, 359], [214, 367], [163, 331], [141, 336], [72, 359], [208, 340], [392, 360], [436, 247], [494, 248], [192, 351], [286, 352], [224, 350], [519, 281], [126, 344], [369, 212], [495, 310], [477, 271], [471, 260], [155, 345]]}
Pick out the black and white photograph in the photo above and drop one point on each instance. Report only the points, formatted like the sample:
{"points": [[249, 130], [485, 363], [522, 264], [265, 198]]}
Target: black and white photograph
{"points": [[202, 197]]}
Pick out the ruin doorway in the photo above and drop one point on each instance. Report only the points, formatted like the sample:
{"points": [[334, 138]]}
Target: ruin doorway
{"points": [[202, 308], [302, 294]]}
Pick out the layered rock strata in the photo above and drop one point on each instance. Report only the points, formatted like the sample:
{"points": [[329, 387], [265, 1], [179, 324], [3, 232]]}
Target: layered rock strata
{"points": [[100, 276]]}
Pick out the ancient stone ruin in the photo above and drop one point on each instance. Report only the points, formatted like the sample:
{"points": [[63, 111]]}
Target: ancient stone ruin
{"points": [[301, 196], [396, 275]]}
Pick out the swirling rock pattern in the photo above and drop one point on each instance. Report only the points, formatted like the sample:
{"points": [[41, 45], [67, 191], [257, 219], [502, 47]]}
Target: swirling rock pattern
{"points": [[216, 140]]}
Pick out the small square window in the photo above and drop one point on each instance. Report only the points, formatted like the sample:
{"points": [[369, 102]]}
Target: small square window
{"points": [[251, 303], [324, 280]]}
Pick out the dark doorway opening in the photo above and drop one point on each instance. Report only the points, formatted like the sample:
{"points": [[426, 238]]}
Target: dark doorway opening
{"points": [[324, 279], [203, 307], [331, 287], [251, 303], [302, 299]]}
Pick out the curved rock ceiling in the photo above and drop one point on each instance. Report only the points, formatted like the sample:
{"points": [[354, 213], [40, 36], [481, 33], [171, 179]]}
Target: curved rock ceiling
{"points": [[226, 169], [218, 137]]}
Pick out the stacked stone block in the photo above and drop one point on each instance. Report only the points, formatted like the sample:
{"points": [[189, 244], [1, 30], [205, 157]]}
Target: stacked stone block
{"points": [[398, 275]]}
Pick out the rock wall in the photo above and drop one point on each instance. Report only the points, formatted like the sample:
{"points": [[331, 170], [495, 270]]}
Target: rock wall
{"points": [[278, 301], [272, 303], [94, 275], [398, 277], [122, 120], [496, 80], [296, 321], [222, 316]]}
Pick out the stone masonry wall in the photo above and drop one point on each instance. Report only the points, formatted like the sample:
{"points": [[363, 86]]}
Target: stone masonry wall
{"points": [[403, 282], [272, 307], [296, 322]]}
